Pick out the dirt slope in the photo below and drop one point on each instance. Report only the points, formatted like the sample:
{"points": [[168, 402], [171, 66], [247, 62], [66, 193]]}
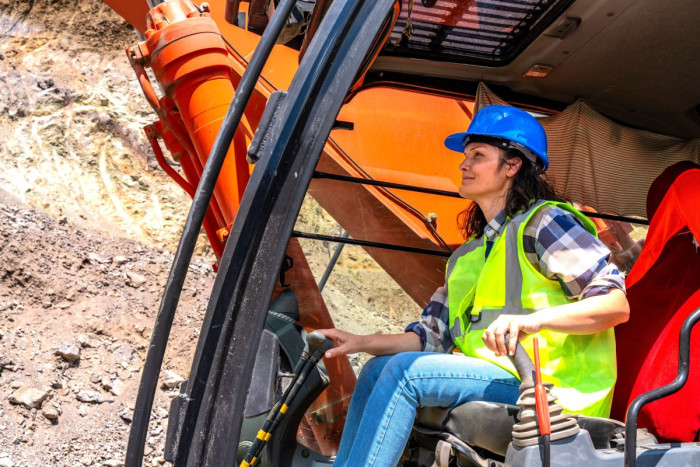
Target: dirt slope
{"points": [[88, 225]]}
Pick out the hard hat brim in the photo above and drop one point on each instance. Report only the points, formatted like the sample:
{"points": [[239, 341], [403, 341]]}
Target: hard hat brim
{"points": [[455, 142]]}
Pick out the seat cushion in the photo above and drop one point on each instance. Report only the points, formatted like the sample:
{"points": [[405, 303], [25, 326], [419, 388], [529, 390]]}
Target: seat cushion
{"points": [[487, 425]]}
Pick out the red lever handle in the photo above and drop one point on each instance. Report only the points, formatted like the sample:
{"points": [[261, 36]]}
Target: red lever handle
{"points": [[541, 404]]}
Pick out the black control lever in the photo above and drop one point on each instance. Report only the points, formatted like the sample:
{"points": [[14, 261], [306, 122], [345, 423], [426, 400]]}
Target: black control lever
{"points": [[316, 346], [523, 364]]}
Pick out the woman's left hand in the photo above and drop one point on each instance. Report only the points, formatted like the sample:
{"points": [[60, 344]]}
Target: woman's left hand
{"points": [[517, 325]]}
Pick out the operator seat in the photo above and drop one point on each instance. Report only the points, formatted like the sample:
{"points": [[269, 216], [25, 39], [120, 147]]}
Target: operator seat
{"points": [[663, 288]]}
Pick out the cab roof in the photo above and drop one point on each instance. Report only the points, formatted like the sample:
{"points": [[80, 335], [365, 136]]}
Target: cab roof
{"points": [[633, 60]]}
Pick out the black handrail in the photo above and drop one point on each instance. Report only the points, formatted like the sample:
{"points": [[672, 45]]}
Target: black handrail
{"points": [[331, 263], [372, 182], [613, 217], [656, 394], [451, 194], [195, 218], [370, 244]]}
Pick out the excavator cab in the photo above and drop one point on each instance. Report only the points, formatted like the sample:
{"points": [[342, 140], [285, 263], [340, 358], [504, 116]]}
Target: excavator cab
{"points": [[264, 102]]}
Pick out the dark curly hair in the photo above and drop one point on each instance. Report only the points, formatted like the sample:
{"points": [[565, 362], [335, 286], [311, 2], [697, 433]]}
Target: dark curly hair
{"points": [[529, 186]]}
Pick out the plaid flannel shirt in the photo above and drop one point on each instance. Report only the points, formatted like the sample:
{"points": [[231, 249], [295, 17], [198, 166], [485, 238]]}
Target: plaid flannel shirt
{"points": [[558, 246]]}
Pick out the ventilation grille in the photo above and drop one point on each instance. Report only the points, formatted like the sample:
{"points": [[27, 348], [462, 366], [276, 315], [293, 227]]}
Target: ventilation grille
{"points": [[474, 31]]}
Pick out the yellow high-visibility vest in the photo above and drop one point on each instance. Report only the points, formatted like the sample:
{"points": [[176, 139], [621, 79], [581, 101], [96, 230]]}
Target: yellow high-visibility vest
{"points": [[582, 368]]}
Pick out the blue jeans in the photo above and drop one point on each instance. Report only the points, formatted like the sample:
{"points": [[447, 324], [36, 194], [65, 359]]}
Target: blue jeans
{"points": [[390, 388]]}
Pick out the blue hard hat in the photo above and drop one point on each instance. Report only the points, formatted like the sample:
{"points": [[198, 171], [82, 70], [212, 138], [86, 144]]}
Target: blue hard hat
{"points": [[507, 127]]}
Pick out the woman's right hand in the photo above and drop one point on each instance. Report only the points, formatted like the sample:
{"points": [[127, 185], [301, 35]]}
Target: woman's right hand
{"points": [[373, 344], [345, 342]]}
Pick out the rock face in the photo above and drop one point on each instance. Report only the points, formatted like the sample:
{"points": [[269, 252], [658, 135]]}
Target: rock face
{"points": [[29, 397]]}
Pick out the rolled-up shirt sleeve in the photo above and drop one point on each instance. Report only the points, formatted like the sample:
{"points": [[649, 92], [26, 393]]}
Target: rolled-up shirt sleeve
{"points": [[567, 252], [433, 327]]}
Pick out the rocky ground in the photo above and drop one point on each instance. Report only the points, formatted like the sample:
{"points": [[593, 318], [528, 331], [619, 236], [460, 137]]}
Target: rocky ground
{"points": [[88, 226], [77, 307]]}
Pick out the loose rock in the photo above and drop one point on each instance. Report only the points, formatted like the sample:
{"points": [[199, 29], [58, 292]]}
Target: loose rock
{"points": [[57, 384], [115, 387], [50, 412], [171, 380], [69, 352], [124, 353], [91, 397], [126, 414], [29, 397], [84, 341], [135, 280]]}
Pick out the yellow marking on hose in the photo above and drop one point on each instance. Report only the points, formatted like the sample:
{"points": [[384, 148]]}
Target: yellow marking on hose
{"points": [[261, 435], [245, 464], [267, 436], [252, 462], [284, 408]]}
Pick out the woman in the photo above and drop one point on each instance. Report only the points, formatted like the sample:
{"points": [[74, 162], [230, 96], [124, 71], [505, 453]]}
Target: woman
{"points": [[531, 265]]}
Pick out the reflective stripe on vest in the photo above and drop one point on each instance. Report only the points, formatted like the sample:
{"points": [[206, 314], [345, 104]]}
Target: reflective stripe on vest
{"points": [[581, 367]]}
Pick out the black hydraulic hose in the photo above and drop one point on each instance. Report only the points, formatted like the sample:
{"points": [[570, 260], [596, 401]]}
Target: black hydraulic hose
{"points": [[195, 218], [643, 399]]}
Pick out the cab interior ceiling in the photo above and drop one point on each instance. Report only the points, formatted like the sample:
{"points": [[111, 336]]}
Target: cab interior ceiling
{"points": [[633, 60]]}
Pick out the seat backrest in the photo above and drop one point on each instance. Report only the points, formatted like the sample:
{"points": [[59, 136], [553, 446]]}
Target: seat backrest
{"points": [[663, 288]]}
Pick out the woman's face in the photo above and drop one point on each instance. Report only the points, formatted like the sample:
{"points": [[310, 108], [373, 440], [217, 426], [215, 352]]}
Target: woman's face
{"points": [[485, 176]]}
